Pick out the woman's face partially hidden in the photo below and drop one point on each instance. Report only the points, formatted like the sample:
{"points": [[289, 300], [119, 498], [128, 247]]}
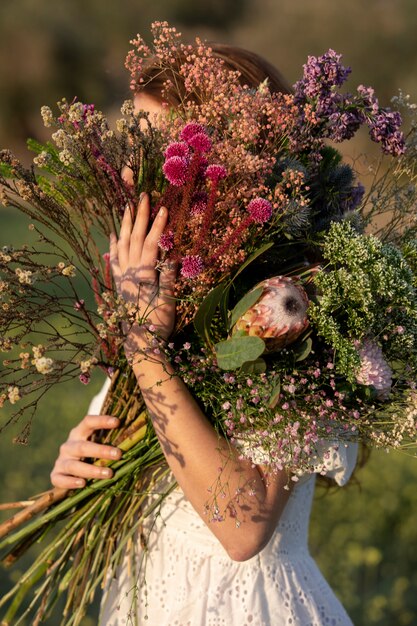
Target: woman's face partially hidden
{"points": [[151, 105]]}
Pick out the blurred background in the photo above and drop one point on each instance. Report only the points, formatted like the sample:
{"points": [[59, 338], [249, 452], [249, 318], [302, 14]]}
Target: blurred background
{"points": [[364, 536]]}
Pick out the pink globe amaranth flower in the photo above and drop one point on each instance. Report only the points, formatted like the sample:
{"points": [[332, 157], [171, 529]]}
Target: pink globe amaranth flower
{"points": [[191, 129], [279, 316], [178, 148], [176, 169], [215, 172], [260, 210], [200, 142], [191, 266], [374, 370], [166, 241]]}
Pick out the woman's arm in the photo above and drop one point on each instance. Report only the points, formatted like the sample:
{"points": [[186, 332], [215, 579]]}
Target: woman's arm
{"points": [[199, 458]]}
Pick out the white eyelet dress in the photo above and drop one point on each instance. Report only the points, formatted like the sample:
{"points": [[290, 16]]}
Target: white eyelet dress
{"points": [[187, 579]]}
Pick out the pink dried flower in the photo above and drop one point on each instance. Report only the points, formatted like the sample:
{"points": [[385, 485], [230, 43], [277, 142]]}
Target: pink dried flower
{"points": [[175, 169], [200, 142], [216, 173], [84, 378], [178, 148], [166, 241], [374, 369], [260, 210], [190, 130], [191, 266]]}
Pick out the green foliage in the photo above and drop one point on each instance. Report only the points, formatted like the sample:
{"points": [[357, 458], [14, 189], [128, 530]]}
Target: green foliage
{"points": [[233, 353], [376, 286]]}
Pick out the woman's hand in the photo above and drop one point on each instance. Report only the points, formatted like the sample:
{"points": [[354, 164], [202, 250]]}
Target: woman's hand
{"points": [[134, 258], [70, 471]]}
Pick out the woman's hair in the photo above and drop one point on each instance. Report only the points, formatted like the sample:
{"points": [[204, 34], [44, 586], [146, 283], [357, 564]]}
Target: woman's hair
{"points": [[253, 70]]}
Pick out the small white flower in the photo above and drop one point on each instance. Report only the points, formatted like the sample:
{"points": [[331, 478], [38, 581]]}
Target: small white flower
{"points": [[44, 365]]}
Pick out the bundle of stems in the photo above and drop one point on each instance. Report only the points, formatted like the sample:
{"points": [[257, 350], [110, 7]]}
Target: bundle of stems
{"points": [[85, 551]]}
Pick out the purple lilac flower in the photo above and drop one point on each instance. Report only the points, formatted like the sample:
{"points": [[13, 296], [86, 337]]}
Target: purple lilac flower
{"points": [[320, 75], [384, 129], [176, 169]]}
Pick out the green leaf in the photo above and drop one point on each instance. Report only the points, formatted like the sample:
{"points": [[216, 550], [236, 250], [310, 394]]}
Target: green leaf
{"points": [[254, 367], [303, 349], [234, 352], [206, 311], [244, 304], [274, 397]]}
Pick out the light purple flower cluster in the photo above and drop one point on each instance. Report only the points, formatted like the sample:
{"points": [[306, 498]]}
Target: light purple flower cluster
{"points": [[341, 115]]}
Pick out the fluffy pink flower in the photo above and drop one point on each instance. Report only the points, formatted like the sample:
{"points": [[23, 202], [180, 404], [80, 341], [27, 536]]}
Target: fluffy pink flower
{"points": [[374, 369], [216, 172], [166, 241], [191, 266], [200, 142], [260, 210], [175, 169], [178, 148], [190, 130]]}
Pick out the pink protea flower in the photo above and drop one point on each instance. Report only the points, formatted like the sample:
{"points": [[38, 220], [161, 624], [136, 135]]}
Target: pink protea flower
{"points": [[176, 169], [200, 142], [191, 129], [374, 369], [260, 210], [191, 266], [280, 314], [178, 148], [216, 172], [166, 241]]}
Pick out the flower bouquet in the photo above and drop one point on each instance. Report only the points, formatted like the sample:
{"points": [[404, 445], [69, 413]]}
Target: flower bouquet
{"points": [[293, 325]]}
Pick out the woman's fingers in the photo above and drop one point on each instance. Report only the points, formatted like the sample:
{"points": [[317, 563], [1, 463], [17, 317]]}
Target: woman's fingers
{"points": [[114, 262], [72, 474], [150, 252], [79, 469], [123, 244], [140, 228], [90, 423], [78, 449]]}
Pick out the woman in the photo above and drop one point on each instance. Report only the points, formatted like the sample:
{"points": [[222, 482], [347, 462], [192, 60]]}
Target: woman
{"points": [[200, 572]]}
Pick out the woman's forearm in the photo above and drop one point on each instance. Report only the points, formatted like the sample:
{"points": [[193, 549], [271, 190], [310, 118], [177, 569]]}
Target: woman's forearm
{"points": [[207, 467]]}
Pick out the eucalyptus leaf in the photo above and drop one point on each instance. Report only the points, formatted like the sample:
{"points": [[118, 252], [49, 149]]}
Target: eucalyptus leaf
{"points": [[234, 352], [244, 304], [254, 367], [206, 311], [303, 349]]}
